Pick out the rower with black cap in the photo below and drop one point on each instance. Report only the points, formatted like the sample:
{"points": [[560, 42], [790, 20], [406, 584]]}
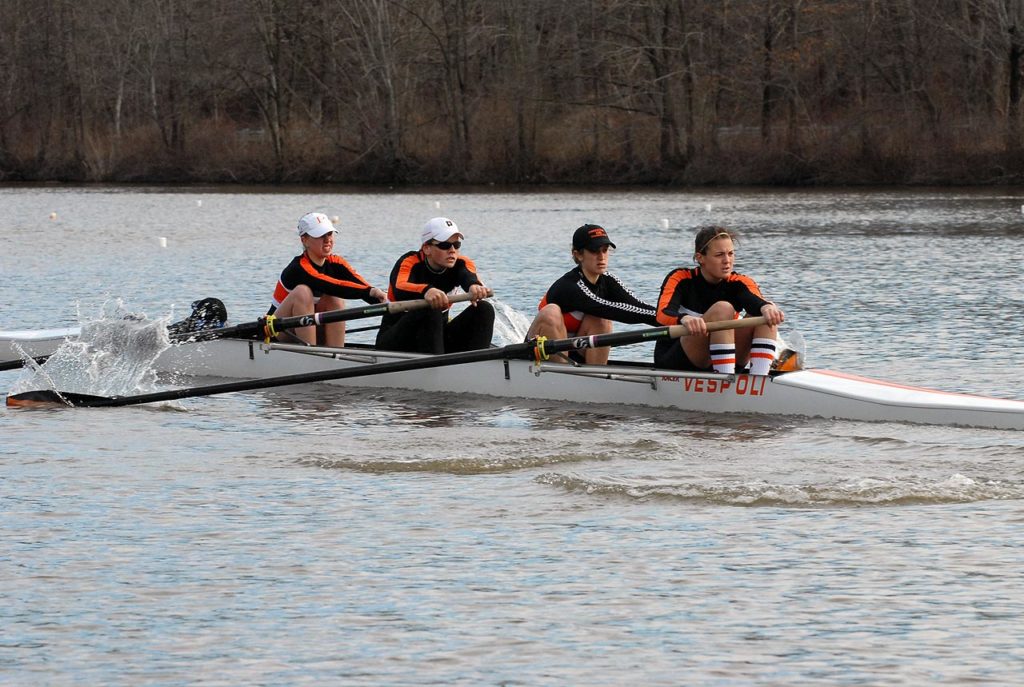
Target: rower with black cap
{"points": [[435, 272], [587, 299], [318, 281]]}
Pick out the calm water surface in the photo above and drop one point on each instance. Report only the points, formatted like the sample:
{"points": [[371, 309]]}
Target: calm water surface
{"points": [[301, 536]]}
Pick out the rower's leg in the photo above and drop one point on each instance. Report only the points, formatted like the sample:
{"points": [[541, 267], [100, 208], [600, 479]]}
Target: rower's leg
{"points": [[471, 330], [550, 323], [758, 345], [718, 350], [419, 331], [333, 333], [299, 302], [593, 326]]}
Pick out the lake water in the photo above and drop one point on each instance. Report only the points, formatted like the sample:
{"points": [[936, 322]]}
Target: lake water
{"points": [[323, 535]]}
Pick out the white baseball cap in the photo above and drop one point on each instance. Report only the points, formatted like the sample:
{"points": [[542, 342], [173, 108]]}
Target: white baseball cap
{"points": [[439, 229], [315, 224]]}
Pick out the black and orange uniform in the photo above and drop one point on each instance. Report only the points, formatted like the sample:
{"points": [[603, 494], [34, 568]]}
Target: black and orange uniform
{"points": [[607, 299], [686, 292], [335, 278], [430, 331]]}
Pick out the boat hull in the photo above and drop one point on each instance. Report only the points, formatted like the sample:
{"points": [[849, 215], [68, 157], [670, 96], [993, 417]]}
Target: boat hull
{"points": [[811, 393], [32, 343]]}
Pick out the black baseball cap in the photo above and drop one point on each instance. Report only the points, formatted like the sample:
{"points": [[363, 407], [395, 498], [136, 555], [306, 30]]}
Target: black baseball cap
{"points": [[590, 236]]}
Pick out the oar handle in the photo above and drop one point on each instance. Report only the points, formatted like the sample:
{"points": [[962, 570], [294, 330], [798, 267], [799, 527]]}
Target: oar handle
{"points": [[422, 303], [677, 330]]}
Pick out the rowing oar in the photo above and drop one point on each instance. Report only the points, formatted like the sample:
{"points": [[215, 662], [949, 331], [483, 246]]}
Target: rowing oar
{"points": [[269, 326], [204, 324], [538, 348], [19, 363], [207, 314]]}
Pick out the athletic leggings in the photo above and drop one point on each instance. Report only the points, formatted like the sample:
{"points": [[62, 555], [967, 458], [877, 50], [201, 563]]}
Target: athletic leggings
{"points": [[430, 331]]}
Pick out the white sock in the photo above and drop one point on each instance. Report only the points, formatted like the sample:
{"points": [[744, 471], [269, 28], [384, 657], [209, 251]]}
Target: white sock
{"points": [[762, 355], [723, 358]]}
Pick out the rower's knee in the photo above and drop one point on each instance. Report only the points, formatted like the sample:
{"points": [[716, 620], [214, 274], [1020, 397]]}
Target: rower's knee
{"points": [[330, 303], [299, 301], [721, 310], [485, 312], [547, 322], [592, 325]]}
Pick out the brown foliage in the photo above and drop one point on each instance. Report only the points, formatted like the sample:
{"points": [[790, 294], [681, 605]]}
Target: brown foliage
{"points": [[511, 91]]}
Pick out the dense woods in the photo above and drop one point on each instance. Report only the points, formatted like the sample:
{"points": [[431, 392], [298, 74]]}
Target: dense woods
{"points": [[512, 91]]}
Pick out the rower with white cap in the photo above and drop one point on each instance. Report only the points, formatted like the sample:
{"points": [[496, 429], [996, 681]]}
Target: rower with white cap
{"points": [[318, 281], [435, 272]]}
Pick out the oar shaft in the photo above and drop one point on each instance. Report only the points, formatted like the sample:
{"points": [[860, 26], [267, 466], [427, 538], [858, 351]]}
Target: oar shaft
{"points": [[515, 350], [520, 350], [327, 317], [19, 363]]}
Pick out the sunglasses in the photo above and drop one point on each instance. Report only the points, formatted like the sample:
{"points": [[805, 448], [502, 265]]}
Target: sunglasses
{"points": [[445, 245]]}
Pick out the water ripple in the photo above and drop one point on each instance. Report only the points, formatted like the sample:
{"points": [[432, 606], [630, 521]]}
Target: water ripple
{"points": [[861, 491]]}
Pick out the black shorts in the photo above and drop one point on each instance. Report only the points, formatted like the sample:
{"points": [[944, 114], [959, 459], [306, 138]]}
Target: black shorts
{"points": [[669, 355]]}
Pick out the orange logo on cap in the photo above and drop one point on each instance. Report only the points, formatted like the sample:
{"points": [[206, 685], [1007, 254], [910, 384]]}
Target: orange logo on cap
{"points": [[596, 231]]}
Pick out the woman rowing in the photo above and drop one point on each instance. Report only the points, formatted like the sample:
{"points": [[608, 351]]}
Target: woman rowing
{"points": [[318, 281], [711, 292], [433, 273], [587, 299]]}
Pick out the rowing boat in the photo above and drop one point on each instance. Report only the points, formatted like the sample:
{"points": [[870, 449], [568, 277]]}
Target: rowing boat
{"points": [[16, 345], [810, 392]]}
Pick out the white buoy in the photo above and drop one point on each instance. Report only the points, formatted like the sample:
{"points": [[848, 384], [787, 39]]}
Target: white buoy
{"points": [[53, 215], [163, 242], [199, 203], [437, 204], [335, 219], [707, 207], [664, 224]]}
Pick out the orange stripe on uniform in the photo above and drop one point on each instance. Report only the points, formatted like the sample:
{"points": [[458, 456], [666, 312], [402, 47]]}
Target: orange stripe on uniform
{"points": [[402, 279], [748, 282], [307, 265], [280, 293], [668, 289]]}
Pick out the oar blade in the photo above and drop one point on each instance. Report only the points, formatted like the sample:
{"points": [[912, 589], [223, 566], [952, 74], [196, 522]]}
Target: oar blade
{"points": [[208, 315], [48, 398]]}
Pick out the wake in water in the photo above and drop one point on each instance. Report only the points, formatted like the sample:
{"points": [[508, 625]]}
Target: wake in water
{"points": [[841, 492], [113, 355]]}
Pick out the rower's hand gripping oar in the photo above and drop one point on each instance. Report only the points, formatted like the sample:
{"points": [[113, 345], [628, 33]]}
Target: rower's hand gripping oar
{"points": [[520, 350]]}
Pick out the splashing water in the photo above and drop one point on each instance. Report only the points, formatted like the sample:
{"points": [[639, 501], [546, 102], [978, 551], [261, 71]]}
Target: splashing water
{"points": [[113, 355], [794, 341], [510, 325]]}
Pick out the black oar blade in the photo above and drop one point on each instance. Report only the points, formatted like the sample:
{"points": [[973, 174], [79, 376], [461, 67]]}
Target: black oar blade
{"points": [[47, 398], [207, 314]]}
